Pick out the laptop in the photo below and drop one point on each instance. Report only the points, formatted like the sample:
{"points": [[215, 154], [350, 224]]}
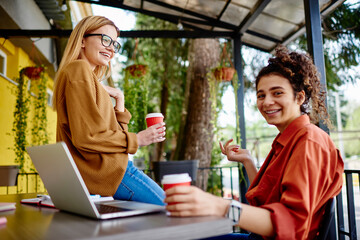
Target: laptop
{"points": [[68, 191]]}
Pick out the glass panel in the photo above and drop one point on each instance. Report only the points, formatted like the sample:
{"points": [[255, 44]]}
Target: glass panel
{"points": [[259, 42], [235, 14]]}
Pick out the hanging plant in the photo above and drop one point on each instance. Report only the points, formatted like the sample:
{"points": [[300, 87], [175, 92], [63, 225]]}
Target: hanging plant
{"points": [[20, 119], [39, 130], [33, 73], [225, 71], [136, 92], [136, 99], [137, 70], [22, 108]]}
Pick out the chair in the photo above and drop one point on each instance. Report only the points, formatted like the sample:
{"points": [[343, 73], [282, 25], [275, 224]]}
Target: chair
{"points": [[173, 167], [327, 226]]}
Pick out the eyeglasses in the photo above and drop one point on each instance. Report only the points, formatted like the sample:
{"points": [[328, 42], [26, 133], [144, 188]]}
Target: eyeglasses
{"points": [[106, 41]]}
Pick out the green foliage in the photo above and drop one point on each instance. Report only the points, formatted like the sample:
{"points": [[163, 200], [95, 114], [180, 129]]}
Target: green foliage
{"points": [[166, 79], [214, 183], [341, 33], [22, 108], [136, 99], [343, 26], [39, 130], [20, 120], [352, 147]]}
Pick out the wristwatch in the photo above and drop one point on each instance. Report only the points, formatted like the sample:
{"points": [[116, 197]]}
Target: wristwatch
{"points": [[234, 211]]}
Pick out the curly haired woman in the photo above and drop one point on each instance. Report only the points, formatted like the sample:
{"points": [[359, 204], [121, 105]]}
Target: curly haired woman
{"points": [[303, 170]]}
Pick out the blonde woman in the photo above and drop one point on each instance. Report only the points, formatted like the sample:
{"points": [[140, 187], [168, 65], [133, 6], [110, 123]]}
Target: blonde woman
{"points": [[95, 131]]}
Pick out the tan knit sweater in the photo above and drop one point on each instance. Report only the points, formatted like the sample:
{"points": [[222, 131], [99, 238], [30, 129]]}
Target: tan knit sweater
{"points": [[94, 131]]}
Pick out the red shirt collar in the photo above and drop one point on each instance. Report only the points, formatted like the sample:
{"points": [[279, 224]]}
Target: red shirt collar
{"points": [[291, 130]]}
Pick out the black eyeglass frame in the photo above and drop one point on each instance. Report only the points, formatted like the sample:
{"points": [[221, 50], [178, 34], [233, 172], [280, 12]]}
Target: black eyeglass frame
{"points": [[113, 42]]}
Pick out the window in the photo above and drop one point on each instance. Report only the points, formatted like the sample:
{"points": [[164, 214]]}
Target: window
{"points": [[49, 97], [2, 63]]}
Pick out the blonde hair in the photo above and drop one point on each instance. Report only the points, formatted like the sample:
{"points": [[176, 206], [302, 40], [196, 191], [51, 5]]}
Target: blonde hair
{"points": [[73, 47]]}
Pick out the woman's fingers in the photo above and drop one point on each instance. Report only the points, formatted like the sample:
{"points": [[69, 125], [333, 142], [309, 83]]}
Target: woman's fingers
{"points": [[222, 148], [158, 132]]}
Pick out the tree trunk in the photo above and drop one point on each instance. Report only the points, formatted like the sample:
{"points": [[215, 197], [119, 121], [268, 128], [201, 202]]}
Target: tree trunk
{"points": [[197, 138]]}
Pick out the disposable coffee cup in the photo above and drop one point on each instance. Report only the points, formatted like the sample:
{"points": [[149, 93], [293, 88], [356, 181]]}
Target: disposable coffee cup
{"points": [[172, 180], [154, 118]]}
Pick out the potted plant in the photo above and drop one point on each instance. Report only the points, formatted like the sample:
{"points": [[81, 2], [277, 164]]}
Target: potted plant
{"points": [[137, 70], [22, 108], [33, 72], [225, 71], [222, 73]]}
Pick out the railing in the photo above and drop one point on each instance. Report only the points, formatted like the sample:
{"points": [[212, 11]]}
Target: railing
{"points": [[25, 183], [224, 181], [347, 226]]}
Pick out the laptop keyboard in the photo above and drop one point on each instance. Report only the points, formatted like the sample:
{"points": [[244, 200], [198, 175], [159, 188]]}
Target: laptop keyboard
{"points": [[109, 209]]}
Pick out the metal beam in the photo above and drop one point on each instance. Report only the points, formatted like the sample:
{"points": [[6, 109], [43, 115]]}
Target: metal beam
{"points": [[315, 42], [251, 17], [240, 118], [302, 28], [55, 33], [208, 21]]}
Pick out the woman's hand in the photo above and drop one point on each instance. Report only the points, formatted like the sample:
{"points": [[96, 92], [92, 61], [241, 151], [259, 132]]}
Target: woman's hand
{"points": [[184, 201], [153, 134], [235, 153], [118, 95]]}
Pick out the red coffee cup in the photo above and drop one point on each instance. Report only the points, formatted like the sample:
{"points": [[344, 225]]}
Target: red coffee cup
{"points": [[172, 180], [154, 118]]}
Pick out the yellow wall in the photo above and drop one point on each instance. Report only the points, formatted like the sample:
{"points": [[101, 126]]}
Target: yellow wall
{"points": [[16, 60]]}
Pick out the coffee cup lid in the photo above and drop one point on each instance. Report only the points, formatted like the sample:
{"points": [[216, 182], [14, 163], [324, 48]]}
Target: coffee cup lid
{"points": [[154, 115], [175, 178]]}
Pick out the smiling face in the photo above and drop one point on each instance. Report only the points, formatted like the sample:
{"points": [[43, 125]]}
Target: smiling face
{"points": [[276, 101], [93, 50]]}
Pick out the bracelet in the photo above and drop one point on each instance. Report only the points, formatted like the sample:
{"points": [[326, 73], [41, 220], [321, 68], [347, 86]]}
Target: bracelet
{"points": [[234, 211]]}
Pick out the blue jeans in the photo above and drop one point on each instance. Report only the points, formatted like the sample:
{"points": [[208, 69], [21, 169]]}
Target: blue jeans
{"points": [[236, 236], [137, 186]]}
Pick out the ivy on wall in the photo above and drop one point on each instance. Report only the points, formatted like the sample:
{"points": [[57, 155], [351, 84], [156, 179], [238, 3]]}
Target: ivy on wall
{"points": [[39, 129], [20, 119], [21, 113]]}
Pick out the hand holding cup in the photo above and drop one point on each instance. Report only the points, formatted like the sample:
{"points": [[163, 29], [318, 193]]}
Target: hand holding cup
{"points": [[155, 131]]}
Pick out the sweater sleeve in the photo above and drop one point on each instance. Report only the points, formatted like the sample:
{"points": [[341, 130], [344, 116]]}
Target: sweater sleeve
{"points": [[123, 118], [92, 122]]}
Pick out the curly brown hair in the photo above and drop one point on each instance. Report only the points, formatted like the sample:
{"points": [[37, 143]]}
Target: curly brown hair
{"points": [[302, 74]]}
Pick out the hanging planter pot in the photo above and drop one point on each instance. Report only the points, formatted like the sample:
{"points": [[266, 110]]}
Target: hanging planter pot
{"points": [[226, 70], [137, 70], [33, 72], [224, 73]]}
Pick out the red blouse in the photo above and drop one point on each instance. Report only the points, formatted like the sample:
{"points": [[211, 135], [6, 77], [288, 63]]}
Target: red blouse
{"points": [[301, 173]]}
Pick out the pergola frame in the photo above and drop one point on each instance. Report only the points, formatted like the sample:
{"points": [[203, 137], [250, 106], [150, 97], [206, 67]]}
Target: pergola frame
{"points": [[312, 24]]}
